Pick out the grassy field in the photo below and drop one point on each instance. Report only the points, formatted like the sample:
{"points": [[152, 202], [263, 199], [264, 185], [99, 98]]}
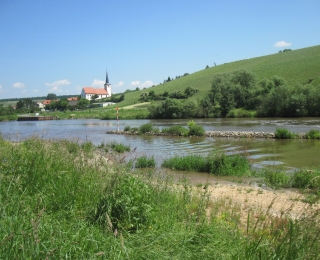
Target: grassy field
{"points": [[69, 200], [294, 66]]}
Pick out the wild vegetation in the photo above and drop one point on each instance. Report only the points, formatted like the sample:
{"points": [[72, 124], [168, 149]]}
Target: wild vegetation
{"points": [[65, 200], [217, 163]]}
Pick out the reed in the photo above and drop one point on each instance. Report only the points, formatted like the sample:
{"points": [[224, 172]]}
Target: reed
{"points": [[145, 162], [217, 163]]}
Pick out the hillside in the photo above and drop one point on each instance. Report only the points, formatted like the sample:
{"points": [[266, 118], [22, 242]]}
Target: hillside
{"points": [[294, 66]]}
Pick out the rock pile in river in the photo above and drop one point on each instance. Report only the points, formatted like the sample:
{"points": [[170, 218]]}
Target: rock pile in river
{"points": [[233, 134]]}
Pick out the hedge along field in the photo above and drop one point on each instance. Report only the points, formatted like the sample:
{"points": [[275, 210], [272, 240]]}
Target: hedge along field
{"points": [[67, 200], [294, 66]]}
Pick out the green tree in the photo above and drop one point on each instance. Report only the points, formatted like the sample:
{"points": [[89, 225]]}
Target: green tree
{"points": [[94, 97], [170, 108], [51, 96], [83, 103]]}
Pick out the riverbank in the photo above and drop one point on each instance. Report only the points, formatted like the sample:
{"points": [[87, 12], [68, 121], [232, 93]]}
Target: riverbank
{"points": [[83, 207]]}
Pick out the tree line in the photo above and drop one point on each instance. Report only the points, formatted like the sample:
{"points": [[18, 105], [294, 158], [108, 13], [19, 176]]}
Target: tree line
{"points": [[268, 97]]}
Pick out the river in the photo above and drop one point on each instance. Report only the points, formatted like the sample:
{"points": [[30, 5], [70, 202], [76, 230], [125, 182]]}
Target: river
{"points": [[261, 152]]}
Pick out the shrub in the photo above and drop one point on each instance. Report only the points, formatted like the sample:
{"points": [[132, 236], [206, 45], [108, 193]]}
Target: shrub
{"points": [[186, 163], [237, 113], [145, 128], [283, 133], [120, 148], [176, 130], [127, 204], [127, 128], [277, 178], [313, 134], [217, 163], [306, 179], [87, 146], [145, 162], [195, 130]]}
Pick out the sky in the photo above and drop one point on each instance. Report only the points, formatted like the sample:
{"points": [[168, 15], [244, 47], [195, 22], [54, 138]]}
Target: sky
{"points": [[63, 45]]}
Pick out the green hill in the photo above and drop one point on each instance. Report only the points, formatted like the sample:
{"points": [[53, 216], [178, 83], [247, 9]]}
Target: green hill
{"points": [[294, 66]]}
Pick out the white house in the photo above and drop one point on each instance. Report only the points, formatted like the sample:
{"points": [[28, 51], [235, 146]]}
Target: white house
{"points": [[88, 92]]}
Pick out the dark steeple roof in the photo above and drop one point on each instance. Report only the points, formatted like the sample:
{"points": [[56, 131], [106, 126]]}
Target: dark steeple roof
{"points": [[107, 79]]}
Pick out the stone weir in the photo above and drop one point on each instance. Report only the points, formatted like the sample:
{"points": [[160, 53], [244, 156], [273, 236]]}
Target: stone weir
{"points": [[233, 134]]}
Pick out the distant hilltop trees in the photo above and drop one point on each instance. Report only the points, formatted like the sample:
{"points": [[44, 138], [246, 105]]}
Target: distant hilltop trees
{"points": [[285, 50]]}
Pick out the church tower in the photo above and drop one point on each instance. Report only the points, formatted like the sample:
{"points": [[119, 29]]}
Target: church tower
{"points": [[107, 85]]}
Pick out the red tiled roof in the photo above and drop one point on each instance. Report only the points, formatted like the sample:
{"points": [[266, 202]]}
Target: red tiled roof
{"points": [[98, 91], [72, 99], [46, 102]]}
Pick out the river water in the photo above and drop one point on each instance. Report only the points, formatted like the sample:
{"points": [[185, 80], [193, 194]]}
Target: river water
{"points": [[261, 152]]}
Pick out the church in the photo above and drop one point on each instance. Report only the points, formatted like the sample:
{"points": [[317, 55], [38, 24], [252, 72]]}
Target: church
{"points": [[89, 92]]}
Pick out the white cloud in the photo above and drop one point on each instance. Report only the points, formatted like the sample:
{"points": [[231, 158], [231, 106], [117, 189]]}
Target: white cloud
{"points": [[56, 86], [120, 84], [282, 44], [135, 83], [18, 85], [98, 83], [0, 88], [147, 84]]}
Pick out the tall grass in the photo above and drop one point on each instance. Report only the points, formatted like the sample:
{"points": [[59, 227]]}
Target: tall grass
{"points": [[175, 130], [313, 134], [145, 162], [283, 133], [62, 200], [217, 163]]}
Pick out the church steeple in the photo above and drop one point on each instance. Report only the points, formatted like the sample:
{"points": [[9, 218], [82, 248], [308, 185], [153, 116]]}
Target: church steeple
{"points": [[107, 85], [107, 78]]}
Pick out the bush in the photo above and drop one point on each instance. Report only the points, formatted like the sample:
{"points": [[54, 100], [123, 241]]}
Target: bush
{"points": [[120, 148], [186, 163], [175, 130], [313, 134], [127, 128], [145, 128], [238, 113], [145, 162], [227, 165], [306, 179], [277, 178], [127, 204], [195, 130], [216, 163], [283, 133]]}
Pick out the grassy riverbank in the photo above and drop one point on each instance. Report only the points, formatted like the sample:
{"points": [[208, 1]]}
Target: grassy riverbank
{"points": [[69, 200]]}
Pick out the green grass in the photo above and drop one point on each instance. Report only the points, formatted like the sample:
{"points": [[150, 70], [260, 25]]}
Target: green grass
{"points": [[175, 130], [313, 134], [217, 163], [119, 147], [283, 133], [145, 162], [297, 66], [62, 200]]}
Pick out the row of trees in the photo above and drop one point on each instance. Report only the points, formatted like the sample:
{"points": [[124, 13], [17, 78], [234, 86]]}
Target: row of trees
{"points": [[268, 97], [151, 95], [272, 97]]}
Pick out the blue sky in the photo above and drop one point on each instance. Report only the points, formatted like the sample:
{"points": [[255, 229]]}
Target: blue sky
{"points": [[61, 46]]}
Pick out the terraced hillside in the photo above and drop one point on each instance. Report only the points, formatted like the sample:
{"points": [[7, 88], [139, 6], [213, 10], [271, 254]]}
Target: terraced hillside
{"points": [[294, 66]]}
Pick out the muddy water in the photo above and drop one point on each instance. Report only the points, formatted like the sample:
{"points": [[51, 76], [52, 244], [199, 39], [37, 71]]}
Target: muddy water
{"points": [[261, 152]]}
